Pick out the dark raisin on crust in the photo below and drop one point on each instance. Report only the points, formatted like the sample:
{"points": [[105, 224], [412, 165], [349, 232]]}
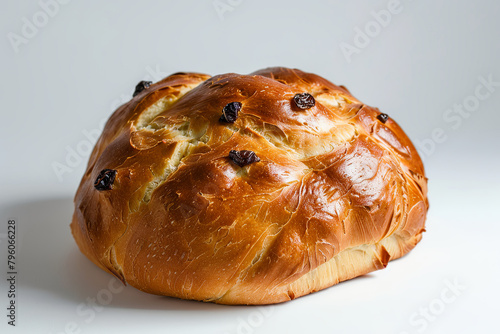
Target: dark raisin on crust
{"points": [[141, 86], [105, 179], [383, 117], [243, 157], [230, 112], [304, 100]]}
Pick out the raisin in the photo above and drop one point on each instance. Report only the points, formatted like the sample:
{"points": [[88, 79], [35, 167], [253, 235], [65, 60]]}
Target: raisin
{"points": [[243, 158], [304, 100], [383, 118], [141, 86], [105, 179], [230, 112]]}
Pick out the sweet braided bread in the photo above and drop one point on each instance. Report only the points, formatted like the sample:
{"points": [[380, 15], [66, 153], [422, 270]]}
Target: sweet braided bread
{"points": [[248, 189]]}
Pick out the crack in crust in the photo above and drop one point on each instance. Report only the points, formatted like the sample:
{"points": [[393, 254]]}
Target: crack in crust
{"points": [[335, 195]]}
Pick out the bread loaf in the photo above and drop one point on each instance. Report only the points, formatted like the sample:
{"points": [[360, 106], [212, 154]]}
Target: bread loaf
{"points": [[248, 189]]}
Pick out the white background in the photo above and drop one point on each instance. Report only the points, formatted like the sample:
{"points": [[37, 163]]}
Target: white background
{"points": [[85, 59]]}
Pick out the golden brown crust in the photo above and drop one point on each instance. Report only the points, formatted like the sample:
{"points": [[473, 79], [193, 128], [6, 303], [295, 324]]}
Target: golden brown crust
{"points": [[336, 194]]}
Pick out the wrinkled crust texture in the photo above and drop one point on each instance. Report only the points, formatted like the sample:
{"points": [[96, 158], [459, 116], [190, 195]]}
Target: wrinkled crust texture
{"points": [[336, 194]]}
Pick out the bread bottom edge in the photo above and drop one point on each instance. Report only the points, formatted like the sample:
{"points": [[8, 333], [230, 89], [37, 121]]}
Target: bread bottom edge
{"points": [[348, 264]]}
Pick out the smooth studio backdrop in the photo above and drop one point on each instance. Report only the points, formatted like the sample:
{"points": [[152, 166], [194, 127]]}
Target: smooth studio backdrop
{"points": [[432, 66]]}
